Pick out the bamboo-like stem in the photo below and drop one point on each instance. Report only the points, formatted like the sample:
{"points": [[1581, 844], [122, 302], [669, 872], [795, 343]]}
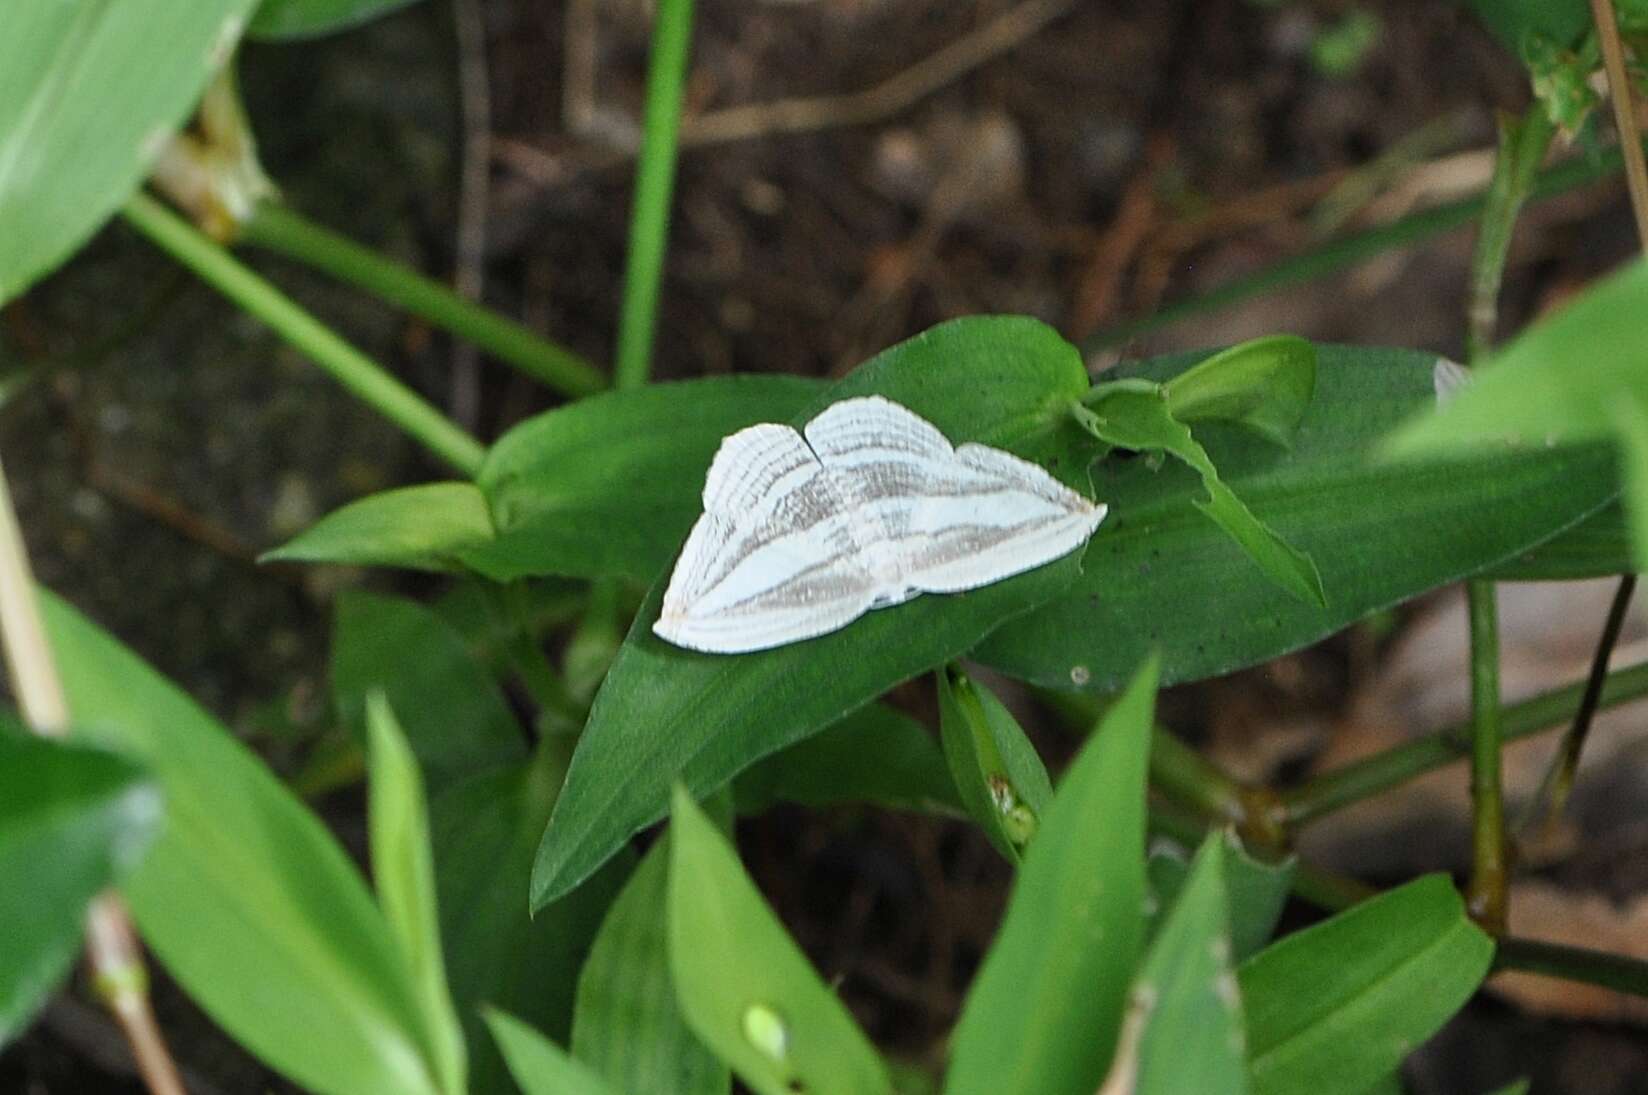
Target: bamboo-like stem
{"points": [[1333, 791], [351, 368], [1185, 777], [1522, 147], [1486, 894], [1619, 90], [1614, 971], [111, 943], [1558, 780], [654, 186], [285, 231]]}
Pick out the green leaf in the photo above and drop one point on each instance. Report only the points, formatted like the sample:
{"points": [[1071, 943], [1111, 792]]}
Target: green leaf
{"points": [[540, 1066], [997, 772], [1042, 1015], [397, 823], [875, 755], [1184, 1009], [1632, 422], [453, 712], [1139, 419], [627, 1026], [426, 527], [1599, 545], [89, 93], [1519, 1087], [1515, 21], [1338, 1005], [72, 820], [310, 18], [1379, 534], [1257, 892], [1562, 380], [1265, 384], [665, 713], [743, 985], [1388, 1084], [246, 898], [485, 829], [610, 484]]}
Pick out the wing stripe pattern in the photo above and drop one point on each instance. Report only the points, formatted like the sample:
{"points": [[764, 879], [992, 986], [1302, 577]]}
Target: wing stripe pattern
{"points": [[804, 532]]}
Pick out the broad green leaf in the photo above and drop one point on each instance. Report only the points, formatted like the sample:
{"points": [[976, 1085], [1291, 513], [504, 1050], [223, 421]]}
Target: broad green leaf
{"points": [[89, 93], [310, 18], [425, 527], [1265, 384], [1043, 1013], [1257, 892], [743, 985], [1562, 380], [540, 1066], [1379, 534], [610, 484], [1388, 1084], [1515, 21], [997, 772], [1340, 1004], [246, 898], [875, 755], [665, 713], [1598, 546], [72, 819], [1631, 419], [453, 712], [397, 823], [1184, 1005], [1138, 418], [484, 830], [628, 1027]]}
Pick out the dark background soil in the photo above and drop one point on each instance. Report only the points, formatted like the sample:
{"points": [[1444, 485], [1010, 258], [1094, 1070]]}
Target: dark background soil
{"points": [[1128, 155]]}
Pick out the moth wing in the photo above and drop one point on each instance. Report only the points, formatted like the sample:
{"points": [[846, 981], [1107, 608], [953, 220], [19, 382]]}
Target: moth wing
{"points": [[771, 560], [994, 516], [867, 429], [889, 459]]}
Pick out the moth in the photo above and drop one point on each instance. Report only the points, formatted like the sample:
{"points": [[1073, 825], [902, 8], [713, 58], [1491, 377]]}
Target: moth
{"points": [[866, 507]]}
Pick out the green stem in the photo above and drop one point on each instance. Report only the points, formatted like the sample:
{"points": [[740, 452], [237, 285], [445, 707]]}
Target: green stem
{"points": [[1558, 780], [1613, 971], [1486, 893], [1522, 146], [278, 228], [654, 182], [1333, 791], [1186, 778], [351, 368], [1331, 257]]}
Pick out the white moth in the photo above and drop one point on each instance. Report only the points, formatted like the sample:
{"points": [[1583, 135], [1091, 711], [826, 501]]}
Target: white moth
{"points": [[869, 506]]}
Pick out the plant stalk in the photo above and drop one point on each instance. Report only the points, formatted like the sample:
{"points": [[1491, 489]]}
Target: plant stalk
{"points": [[354, 370], [654, 185], [111, 942], [1613, 971], [1558, 780], [1619, 90], [283, 230], [1522, 147], [1486, 894], [1333, 791], [1336, 255]]}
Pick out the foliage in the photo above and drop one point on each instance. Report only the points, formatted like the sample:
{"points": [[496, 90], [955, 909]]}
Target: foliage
{"points": [[517, 739]]}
